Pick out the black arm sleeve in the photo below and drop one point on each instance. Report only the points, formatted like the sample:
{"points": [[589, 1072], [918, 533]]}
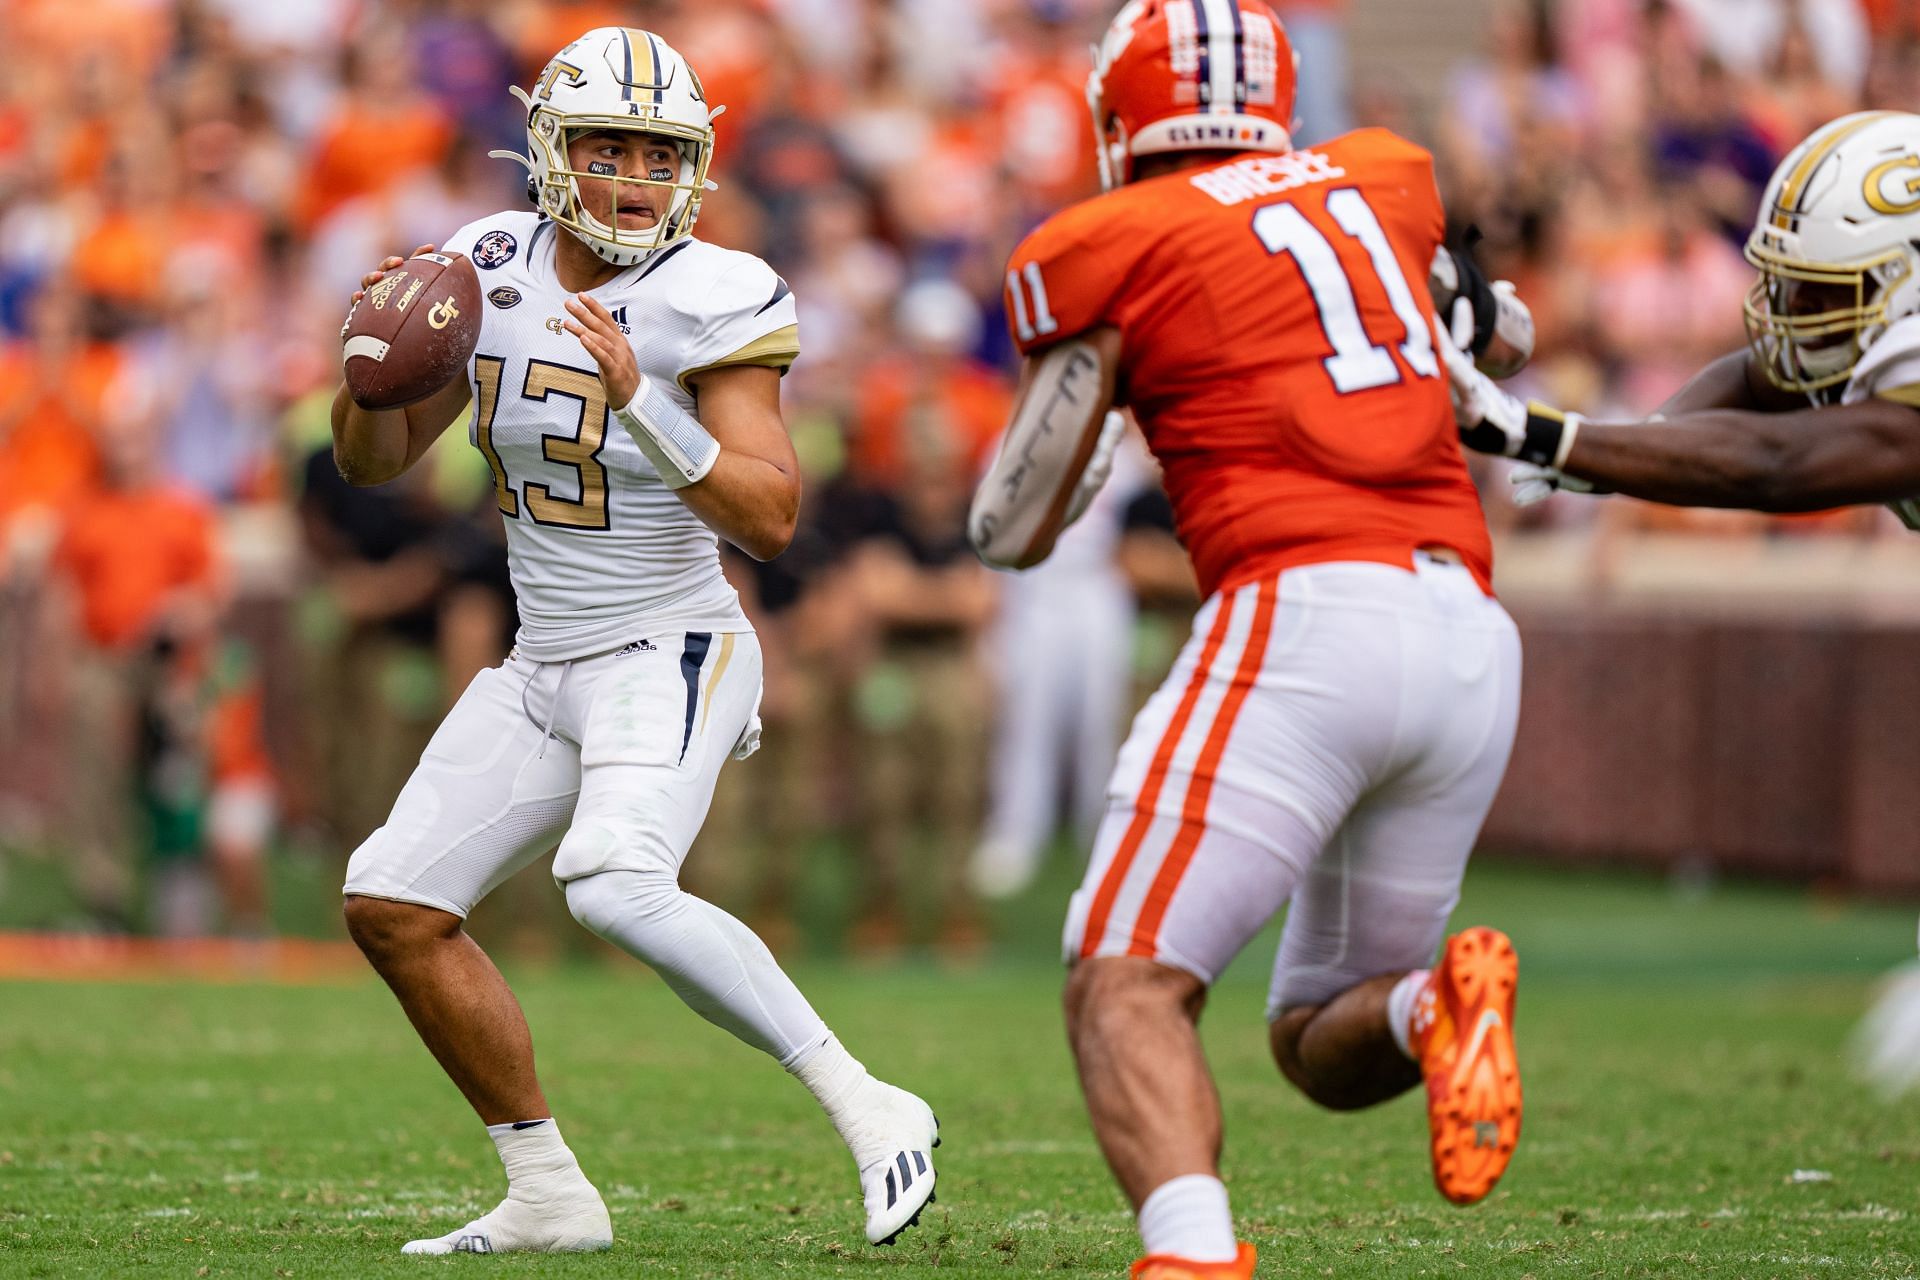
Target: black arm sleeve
{"points": [[1475, 289]]}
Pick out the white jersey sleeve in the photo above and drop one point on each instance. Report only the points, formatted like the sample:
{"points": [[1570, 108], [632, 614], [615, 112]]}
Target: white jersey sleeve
{"points": [[1891, 371], [747, 318], [1891, 368]]}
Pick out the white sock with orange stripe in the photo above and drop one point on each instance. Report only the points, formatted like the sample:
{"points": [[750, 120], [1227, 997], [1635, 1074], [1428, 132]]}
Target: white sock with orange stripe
{"points": [[1400, 1005], [1188, 1218]]}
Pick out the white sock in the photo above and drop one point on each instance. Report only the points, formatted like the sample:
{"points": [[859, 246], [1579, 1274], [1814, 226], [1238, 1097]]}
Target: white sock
{"points": [[712, 961], [831, 1075], [1400, 1003], [535, 1155], [550, 1205], [1189, 1218]]}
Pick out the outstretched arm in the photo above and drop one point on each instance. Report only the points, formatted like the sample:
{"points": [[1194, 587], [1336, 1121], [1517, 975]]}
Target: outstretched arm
{"points": [[1807, 460], [1731, 382]]}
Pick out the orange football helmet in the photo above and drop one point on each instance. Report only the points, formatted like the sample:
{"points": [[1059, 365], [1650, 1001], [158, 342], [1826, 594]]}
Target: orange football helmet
{"points": [[1180, 75]]}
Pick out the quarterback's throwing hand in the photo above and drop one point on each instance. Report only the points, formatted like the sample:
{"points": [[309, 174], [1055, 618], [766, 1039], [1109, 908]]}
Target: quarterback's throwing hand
{"points": [[373, 278], [598, 332], [379, 273]]}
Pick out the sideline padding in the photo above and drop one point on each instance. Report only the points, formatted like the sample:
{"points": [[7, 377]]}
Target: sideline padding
{"points": [[88, 957]]}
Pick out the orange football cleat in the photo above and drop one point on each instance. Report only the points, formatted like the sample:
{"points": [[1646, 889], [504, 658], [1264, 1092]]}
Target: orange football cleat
{"points": [[1463, 1039], [1163, 1266]]}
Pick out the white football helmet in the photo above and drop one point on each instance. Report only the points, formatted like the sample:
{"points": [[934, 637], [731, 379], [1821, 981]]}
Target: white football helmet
{"points": [[1835, 245], [616, 78]]}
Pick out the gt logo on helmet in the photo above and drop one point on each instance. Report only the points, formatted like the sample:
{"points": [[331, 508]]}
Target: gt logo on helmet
{"points": [[1879, 192], [614, 80]]}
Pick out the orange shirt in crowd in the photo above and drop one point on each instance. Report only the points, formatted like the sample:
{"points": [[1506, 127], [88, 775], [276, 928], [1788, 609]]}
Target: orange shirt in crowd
{"points": [[236, 735], [1278, 351], [1893, 17], [47, 452], [551, 27], [732, 48], [367, 148], [130, 35], [123, 256], [966, 402], [1042, 105], [129, 551]]}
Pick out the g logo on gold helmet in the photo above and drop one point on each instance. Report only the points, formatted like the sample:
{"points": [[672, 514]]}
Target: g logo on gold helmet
{"points": [[1834, 244], [616, 78]]}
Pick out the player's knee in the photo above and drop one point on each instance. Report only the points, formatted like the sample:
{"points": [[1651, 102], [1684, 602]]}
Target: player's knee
{"points": [[381, 927], [618, 905], [1110, 994], [1335, 1093], [1283, 1036]]}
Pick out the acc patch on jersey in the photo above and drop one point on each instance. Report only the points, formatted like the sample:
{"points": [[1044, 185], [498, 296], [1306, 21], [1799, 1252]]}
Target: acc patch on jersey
{"points": [[494, 249], [503, 297]]}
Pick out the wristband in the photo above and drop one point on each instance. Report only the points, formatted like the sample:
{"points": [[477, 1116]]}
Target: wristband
{"points": [[671, 438], [1549, 435]]}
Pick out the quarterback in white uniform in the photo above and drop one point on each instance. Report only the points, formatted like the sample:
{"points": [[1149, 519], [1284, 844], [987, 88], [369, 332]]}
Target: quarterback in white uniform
{"points": [[625, 392], [1822, 411]]}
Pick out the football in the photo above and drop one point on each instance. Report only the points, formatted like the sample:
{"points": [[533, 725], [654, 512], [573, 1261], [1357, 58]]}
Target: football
{"points": [[413, 332]]}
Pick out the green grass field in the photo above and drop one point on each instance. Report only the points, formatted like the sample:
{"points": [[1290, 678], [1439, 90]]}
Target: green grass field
{"points": [[1684, 1058]]}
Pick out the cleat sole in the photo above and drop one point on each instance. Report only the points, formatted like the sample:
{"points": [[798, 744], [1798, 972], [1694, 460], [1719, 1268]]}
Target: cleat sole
{"points": [[1474, 1102]]}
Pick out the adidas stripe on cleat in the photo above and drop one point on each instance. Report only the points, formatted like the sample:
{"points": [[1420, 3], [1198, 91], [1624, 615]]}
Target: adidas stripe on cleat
{"points": [[899, 1186], [1463, 1038]]}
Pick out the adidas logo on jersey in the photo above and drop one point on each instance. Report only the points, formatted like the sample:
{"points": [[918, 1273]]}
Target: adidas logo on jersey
{"points": [[620, 318], [638, 646]]}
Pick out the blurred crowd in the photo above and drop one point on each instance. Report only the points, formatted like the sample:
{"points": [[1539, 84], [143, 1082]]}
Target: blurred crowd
{"points": [[212, 649]]}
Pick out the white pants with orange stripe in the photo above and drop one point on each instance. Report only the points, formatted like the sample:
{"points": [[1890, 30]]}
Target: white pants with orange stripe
{"points": [[613, 757], [1330, 738]]}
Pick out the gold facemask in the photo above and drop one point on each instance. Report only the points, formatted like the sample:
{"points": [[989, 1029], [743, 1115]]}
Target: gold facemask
{"points": [[1807, 322]]}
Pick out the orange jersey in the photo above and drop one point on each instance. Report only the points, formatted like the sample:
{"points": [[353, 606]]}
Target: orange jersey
{"points": [[1277, 349], [127, 552]]}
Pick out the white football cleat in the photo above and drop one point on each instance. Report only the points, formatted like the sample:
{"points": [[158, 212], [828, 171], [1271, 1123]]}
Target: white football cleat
{"points": [[1886, 1046], [1000, 869], [893, 1142], [572, 1220]]}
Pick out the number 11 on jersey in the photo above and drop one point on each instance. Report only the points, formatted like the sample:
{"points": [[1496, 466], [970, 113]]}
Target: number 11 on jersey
{"points": [[1043, 322], [1357, 363]]}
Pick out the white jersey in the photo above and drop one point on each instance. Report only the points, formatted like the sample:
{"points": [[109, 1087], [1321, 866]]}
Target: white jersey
{"points": [[1890, 370], [601, 552]]}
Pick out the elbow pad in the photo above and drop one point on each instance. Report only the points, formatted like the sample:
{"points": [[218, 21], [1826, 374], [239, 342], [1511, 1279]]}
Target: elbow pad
{"points": [[1028, 494]]}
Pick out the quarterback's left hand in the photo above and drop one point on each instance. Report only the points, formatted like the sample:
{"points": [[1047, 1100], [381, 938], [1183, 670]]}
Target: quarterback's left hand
{"points": [[598, 332]]}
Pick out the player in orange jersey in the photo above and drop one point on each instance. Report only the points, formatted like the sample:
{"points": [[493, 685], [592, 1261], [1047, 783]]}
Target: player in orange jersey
{"points": [[1336, 728]]}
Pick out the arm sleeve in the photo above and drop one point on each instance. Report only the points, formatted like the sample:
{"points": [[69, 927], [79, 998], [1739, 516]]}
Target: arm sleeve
{"points": [[1066, 277], [750, 319]]}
